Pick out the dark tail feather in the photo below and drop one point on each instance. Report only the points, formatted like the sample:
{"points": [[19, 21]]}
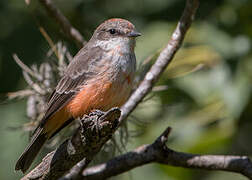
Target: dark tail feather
{"points": [[26, 159]]}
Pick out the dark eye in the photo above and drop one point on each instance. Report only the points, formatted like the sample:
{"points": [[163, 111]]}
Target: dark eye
{"points": [[112, 31]]}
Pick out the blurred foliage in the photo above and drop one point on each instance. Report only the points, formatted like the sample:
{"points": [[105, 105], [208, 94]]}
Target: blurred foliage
{"points": [[205, 94]]}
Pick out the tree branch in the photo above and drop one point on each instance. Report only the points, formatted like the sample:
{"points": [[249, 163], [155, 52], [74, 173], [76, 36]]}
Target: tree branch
{"points": [[95, 130], [66, 26], [158, 152], [163, 60]]}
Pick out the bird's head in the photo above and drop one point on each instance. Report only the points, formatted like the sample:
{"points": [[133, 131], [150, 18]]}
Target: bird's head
{"points": [[114, 32]]}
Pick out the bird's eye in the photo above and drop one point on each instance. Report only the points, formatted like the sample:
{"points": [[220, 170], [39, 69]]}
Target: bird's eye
{"points": [[112, 31]]}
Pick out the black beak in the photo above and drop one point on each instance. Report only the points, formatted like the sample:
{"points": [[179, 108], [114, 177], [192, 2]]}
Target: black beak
{"points": [[134, 34]]}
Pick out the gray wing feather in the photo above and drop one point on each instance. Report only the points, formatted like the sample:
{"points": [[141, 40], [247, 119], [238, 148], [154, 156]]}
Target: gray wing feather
{"points": [[76, 75]]}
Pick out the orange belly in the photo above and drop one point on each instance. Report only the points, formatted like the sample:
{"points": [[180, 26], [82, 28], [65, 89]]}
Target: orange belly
{"points": [[103, 96]]}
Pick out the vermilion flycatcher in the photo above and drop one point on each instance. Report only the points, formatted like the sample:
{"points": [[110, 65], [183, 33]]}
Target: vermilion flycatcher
{"points": [[100, 77]]}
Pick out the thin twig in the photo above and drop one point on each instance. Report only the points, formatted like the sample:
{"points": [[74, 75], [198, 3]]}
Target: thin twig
{"points": [[32, 84], [66, 26], [20, 94], [50, 41], [24, 67]]}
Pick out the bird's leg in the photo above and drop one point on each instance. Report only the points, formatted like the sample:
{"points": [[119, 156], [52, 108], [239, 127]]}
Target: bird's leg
{"points": [[91, 123], [97, 112], [97, 123]]}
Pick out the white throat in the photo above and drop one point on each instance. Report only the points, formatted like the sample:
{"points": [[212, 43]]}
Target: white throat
{"points": [[124, 44]]}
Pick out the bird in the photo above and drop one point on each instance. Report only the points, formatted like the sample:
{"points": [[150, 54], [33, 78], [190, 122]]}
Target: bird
{"points": [[100, 76]]}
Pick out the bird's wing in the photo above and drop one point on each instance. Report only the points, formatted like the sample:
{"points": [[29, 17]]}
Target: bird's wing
{"points": [[76, 75]]}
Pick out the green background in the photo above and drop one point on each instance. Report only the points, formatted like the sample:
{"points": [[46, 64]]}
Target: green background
{"points": [[205, 95]]}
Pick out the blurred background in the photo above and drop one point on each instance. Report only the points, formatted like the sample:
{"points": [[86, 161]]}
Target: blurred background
{"points": [[204, 95]]}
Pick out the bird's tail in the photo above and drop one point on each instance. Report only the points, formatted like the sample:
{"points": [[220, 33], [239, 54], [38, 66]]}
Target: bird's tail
{"points": [[25, 160]]}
